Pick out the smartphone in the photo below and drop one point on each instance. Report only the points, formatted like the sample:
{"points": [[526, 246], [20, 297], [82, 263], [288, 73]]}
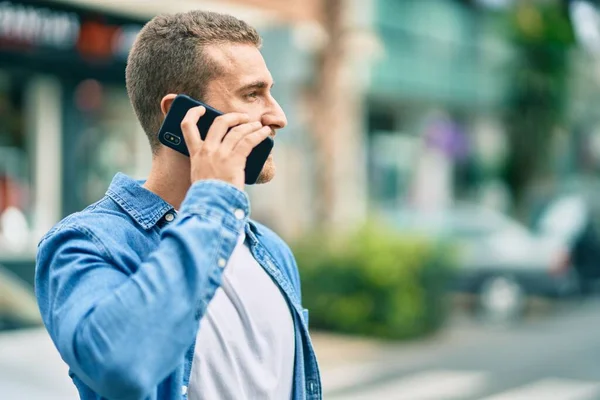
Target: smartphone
{"points": [[170, 134]]}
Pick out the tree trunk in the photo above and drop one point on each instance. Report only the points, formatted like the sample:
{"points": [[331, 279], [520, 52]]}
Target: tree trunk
{"points": [[327, 108]]}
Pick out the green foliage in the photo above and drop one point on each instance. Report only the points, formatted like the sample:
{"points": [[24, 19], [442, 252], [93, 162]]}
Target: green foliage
{"points": [[375, 282], [541, 23], [542, 37]]}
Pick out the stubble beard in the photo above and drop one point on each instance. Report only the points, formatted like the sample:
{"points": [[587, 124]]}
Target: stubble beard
{"points": [[268, 171]]}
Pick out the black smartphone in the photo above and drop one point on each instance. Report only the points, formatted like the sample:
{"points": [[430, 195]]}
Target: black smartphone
{"points": [[170, 134]]}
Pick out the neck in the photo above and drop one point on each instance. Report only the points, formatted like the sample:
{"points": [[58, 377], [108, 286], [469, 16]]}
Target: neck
{"points": [[169, 178]]}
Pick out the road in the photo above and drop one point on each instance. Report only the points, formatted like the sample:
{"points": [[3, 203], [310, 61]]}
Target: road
{"points": [[554, 358]]}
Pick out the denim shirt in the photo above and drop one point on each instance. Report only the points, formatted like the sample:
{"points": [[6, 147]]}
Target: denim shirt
{"points": [[122, 287]]}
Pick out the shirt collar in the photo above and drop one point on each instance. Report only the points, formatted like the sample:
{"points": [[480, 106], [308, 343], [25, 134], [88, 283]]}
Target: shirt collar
{"points": [[254, 228], [145, 207]]}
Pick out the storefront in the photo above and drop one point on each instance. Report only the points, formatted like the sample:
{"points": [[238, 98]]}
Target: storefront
{"points": [[66, 125], [440, 79]]}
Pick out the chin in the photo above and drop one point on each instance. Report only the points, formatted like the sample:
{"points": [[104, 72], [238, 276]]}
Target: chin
{"points": [[268, 172]]}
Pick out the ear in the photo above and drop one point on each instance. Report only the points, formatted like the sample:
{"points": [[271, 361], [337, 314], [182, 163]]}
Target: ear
{"points": [[165, 103]]}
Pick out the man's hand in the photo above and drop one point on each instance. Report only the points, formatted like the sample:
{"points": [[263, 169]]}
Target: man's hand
{"points": [[229, 141]]}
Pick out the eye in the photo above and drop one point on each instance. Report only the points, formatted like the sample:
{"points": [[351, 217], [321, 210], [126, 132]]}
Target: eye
{"points": [[252, 95]]}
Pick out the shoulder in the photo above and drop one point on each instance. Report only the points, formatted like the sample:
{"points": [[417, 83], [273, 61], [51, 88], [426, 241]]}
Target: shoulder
{"points": [[100, 226]]}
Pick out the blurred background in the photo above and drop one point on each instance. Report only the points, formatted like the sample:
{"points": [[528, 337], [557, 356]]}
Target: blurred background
{"points": [[439, 181]]}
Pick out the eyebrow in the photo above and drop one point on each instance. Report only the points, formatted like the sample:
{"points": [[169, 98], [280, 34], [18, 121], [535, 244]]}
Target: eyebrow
{"points": [[255, 85]]}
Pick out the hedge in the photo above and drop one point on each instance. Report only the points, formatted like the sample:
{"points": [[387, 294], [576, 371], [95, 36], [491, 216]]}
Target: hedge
{"points": [[375, 282]]}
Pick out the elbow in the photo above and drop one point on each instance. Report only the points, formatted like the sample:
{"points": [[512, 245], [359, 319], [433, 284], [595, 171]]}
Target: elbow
{"points": [[110, 373], [116, 382]]}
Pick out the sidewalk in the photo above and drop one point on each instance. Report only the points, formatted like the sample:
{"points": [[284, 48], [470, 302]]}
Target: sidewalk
{"points": [[345, 361], [31, 368]]}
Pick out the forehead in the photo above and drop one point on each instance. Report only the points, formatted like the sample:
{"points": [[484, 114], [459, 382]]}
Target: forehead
{"points": [[239, 63]]}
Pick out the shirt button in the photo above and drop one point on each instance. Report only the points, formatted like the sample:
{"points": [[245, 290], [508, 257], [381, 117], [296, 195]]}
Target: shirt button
{"points": [[184, 390], [239, 214], [169, 217], [222, 262]]}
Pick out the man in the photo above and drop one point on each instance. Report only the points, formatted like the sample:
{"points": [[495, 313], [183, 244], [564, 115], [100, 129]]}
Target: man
{"points": [[167, 290]]}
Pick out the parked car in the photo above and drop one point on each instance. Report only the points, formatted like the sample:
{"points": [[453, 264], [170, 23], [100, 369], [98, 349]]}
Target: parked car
{"points": [[500, 260], [572, 215]]}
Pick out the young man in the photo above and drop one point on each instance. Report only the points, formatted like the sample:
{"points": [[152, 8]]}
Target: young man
{"points": [[167, 290]]}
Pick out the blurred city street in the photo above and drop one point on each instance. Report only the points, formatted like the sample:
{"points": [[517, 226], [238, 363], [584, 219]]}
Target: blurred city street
{"points": [[551, 356], [431, 150], [30, 368]]}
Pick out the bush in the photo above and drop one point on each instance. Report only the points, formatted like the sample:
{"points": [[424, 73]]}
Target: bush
{"points": [[375, 282]]}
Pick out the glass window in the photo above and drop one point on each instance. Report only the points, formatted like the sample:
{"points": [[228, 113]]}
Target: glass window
{"points": [[106, 139], [15, 166]]}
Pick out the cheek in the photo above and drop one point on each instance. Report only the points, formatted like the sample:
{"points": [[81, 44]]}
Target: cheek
{"points": [[254, 109], [234, 104]]}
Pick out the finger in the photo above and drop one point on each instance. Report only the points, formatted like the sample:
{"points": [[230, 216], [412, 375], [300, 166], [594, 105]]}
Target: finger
{"points": [[189, 128], [250, 141], [221, 125], [236, 134]]}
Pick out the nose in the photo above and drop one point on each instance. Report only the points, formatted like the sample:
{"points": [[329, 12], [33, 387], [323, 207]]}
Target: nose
{"points": [[274, 116]]}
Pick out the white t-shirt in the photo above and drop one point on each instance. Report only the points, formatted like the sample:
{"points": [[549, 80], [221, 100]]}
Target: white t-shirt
{"points": [[245, 345]]}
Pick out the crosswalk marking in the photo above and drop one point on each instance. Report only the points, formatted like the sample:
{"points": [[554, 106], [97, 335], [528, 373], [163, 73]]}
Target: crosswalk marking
{"points": [[429, 385], [552, 389]]}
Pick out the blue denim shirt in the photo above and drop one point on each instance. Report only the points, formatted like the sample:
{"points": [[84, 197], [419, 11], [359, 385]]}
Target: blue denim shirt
{"points": [[122, 287]]}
